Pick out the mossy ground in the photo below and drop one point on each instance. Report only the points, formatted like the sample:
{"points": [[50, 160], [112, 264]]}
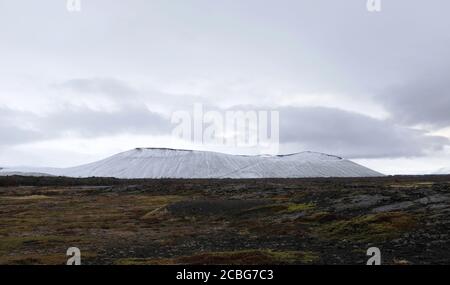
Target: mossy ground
{"points": [[275, 221], [369, 228], [242, 257]]}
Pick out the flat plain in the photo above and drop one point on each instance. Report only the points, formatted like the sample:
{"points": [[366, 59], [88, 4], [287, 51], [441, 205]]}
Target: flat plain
{"points": [[249, 221]]}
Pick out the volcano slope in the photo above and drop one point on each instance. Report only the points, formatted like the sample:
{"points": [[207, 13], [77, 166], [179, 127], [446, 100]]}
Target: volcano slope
{"points": [[156, 163], [251, 221]]}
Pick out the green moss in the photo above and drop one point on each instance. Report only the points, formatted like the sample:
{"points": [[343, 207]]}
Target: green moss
{"points": [[155, 200], [414, 185], [144, 261], [264, 209], [12, 243], [366, 228], [27, 198], [42, 259], [260, 256], [319, 216], [293, 208], [292, 257], [244, 257]]}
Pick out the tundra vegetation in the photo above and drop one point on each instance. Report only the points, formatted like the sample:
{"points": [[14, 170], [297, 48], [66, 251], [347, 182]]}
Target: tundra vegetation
{"points": [[266, 221]]}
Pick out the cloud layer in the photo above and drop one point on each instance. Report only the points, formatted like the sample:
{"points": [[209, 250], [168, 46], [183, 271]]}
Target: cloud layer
{"points": [[346, 81], [321, 129], [425, 100], [354, 135]]}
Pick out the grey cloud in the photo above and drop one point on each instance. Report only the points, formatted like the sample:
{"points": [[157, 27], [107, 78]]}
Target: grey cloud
{"points": [[422, 101], [15, 127], [105, 86], [18, 127], [128, 96], [13, 135], [325, 45], [353, 135], [321, 129], [91, 123]]}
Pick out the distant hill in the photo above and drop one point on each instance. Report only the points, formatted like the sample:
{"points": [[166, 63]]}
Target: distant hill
{"points": [[176, 163]]}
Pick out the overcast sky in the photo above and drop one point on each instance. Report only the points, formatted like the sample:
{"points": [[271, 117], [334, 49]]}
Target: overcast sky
{"points": [[372, 87]]}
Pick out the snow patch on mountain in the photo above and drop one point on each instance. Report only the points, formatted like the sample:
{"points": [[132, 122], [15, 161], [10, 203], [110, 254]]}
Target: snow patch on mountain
{"points": [[178, 163]]}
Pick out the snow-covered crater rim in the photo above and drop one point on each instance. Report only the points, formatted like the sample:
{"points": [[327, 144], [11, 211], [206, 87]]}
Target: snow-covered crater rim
{"points": [[163, 152]]}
